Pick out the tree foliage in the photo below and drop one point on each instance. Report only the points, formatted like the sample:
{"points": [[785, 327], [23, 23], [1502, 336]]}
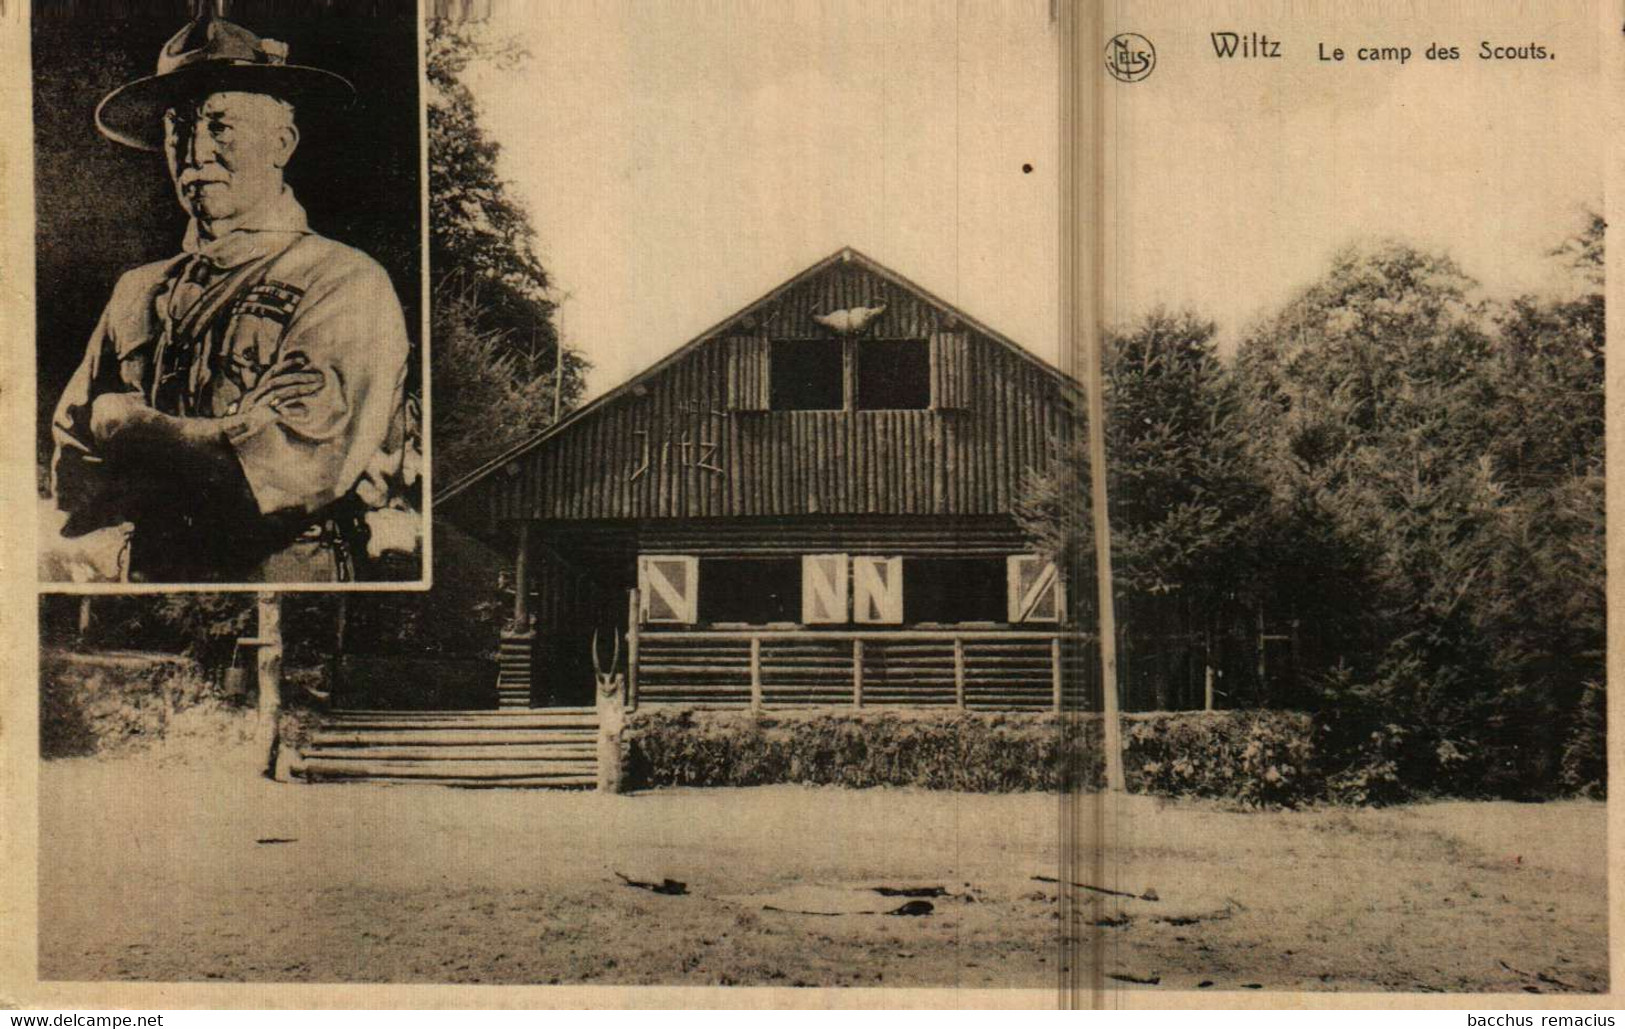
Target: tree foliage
{"points": [[496, 345], [1458, 444], [488, 399], [478, 231], [1187, 505], [1184, 498], [1409, 476]]}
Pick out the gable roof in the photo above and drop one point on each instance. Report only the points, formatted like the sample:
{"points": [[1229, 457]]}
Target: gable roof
{"points": [[843, 256]]}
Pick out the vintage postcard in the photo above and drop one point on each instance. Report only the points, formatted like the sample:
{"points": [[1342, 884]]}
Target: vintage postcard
{"points": [[979, 504], [228, 218]]}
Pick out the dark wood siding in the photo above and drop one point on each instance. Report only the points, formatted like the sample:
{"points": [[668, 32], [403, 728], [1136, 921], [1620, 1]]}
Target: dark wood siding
{"points": [[597, 545], [747, 373], [948, 370], [694, 440]]}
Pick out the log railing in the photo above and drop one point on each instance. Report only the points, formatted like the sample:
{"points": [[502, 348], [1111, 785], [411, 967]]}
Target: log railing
{"points": [[988, 670]]}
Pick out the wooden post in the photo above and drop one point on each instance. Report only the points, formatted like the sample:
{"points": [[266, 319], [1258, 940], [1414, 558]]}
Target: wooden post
{"points": [[1207, 669], [1297, 654], [1089, 826], [1086, 324], [1055, 670], [341, 636], [516, 653], [610, 706], [959, 672], [85, 616], [857, 673], [341, 625], [1263, 661], [634, 606], [849, 373], [1082, 315], [755, 673], [521, 580], [269, 661]]}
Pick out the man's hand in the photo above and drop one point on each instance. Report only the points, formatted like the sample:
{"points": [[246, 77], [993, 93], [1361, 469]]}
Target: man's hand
{"points": [[282, 387], [196, 453], [111, 413], [126, 419]]}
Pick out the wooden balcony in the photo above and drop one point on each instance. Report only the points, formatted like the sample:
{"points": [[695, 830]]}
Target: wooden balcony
{"points": [[972, 669]]}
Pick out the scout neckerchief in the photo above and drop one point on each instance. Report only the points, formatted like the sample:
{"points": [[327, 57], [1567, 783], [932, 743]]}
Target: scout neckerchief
{"points": [[217, 272]]}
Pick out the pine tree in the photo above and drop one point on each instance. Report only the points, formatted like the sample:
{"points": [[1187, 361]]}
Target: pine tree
{"points": [[495, 341]]}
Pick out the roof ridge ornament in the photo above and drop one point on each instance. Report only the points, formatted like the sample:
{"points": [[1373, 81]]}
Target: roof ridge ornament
{"points": [[851, 320]]}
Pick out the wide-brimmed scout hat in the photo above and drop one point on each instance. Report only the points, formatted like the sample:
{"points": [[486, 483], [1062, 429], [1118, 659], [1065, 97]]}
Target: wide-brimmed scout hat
{"points": [[212, 55]]}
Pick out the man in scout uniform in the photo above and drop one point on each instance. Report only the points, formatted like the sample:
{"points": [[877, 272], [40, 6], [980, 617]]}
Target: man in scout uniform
{"points": [[240, 406]]}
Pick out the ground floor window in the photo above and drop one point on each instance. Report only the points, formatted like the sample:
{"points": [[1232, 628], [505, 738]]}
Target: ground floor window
{"points": [[877, 590], [845, 589], [670, 588], [754, 591], [825, 599], [949, 590], [1036, 590]]}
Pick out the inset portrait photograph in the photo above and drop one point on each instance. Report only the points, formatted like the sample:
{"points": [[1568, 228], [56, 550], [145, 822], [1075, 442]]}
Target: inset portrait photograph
{"points": [[229, 281]]}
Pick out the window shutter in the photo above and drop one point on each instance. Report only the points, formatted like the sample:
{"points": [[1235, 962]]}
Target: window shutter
{"points": [[1036, 592], [950, 370], [823, 588], [669, 588], [747, 373], [877, 589]]}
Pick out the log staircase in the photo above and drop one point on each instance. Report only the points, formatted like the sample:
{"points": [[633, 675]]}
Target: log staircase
{"points": [[513, 670], [538, 747]]}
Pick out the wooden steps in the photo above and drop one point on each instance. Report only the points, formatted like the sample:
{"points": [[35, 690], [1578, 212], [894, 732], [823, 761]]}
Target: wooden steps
{"points": [[552, 782], [454, 738], [513, 671], [454, 752], [530, 747]]}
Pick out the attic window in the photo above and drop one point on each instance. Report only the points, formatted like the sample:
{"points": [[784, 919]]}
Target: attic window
{"points": [[893, 375], [806, 375]]}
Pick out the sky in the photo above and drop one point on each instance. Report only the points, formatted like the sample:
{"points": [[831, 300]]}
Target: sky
{"points": [[682, 157]]}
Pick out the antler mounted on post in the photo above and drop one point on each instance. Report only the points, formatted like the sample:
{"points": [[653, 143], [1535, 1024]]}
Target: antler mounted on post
{"points": [[611, 682], [611, 709]]}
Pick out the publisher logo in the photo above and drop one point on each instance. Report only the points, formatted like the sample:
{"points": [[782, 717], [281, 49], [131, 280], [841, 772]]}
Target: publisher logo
{"points": [[1130, 57]]}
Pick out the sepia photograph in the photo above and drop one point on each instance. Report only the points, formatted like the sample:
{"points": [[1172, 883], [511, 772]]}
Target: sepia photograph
{"points": [[977, 504], [230, 215]]}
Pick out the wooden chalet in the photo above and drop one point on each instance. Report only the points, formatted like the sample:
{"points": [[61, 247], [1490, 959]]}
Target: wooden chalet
{"points": [[811, 503]]}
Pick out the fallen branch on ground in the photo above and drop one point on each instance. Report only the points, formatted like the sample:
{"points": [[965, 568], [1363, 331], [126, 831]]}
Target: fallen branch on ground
{"points": [[1550, 980], [1150, 895], [665, 887], [913, 909]]}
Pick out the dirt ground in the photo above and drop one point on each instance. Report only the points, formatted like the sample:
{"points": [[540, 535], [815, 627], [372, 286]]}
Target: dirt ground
{"points": [[163, 871]]}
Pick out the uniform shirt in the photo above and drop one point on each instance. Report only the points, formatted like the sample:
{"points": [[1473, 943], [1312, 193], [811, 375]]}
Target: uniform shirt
{"points": [[195, 333]]}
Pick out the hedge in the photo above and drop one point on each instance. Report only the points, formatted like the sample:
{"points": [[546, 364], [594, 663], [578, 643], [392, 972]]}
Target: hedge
{"points": [[94, 703], [1262, 757], [117, 702]]}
